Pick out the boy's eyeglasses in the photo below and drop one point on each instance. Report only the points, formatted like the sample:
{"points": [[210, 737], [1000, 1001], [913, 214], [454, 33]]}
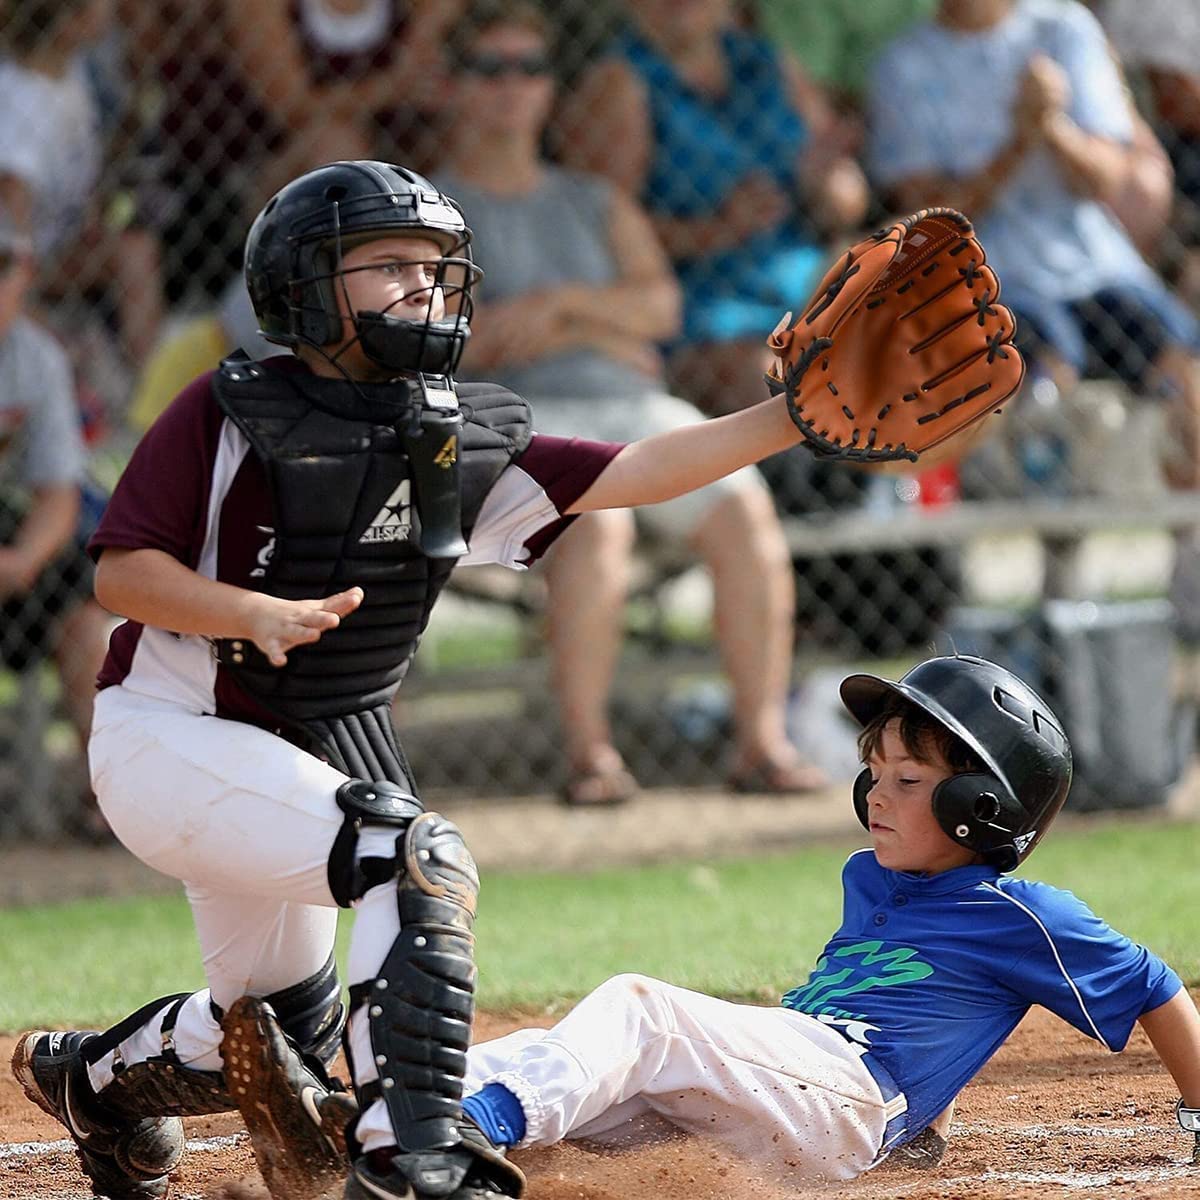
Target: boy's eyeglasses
{"points": [[492, 66]]}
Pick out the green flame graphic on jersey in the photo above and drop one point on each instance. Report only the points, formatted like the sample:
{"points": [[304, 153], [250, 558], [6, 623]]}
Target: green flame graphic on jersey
{"points": [[830, 983]]}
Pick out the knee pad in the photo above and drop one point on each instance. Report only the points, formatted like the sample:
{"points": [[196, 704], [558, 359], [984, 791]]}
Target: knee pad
{"points": [[379, 804], [421, 1006], [440, 881]]}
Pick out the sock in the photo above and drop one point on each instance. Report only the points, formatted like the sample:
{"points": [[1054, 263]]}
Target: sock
{"points": [[498, 1113]]}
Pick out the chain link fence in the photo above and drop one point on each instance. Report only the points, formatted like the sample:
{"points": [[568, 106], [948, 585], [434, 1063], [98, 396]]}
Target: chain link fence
{"points": [[650, 186]]}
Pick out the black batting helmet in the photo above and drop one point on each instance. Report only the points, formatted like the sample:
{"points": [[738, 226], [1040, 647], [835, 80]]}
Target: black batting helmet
{"points": [[293, 262], [1003, 811]]}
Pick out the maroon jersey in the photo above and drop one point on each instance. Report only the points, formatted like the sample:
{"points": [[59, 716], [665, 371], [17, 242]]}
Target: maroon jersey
{"points": [[196, 491]]}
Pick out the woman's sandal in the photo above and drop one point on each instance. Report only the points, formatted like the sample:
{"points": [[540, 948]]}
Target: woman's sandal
{"points": [[779, 779], [601, 787]]}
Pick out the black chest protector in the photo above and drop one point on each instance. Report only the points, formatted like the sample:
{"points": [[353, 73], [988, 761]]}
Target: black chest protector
{"points": [[374, 485]]}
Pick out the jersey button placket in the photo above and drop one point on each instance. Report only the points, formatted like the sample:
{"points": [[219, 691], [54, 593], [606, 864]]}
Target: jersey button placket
{"points": [[880, 918], [899, 899]]}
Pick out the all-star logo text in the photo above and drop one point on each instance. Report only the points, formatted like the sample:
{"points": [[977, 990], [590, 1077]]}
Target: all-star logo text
{"points": [[393, 522]]}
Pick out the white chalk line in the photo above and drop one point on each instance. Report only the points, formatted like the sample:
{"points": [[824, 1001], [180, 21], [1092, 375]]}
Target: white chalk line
{"points": [[1073, 1180], [24, 1150], [1119, 1132]]}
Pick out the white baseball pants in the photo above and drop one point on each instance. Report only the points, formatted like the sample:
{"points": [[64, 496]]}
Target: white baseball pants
{"points": [[246, 821], [773, 1086]]}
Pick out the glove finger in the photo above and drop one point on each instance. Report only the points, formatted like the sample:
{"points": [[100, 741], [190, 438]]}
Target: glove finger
{"points": [[959, 337], [959, 397]]}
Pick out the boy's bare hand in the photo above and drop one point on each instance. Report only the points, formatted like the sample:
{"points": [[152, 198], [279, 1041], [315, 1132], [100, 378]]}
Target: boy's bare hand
{"points": [[277, 626]]}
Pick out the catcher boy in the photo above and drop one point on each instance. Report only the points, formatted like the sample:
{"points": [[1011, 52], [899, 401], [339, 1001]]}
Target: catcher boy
{"points": [[938, 957], [276, 544]]}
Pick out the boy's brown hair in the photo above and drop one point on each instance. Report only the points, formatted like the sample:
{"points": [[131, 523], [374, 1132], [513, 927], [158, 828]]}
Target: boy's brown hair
{"points": [[924, 737]]}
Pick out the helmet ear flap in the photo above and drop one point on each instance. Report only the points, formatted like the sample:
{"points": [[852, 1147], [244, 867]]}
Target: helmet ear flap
{"points": [[318, 312], [976, 811], [862, 786]]}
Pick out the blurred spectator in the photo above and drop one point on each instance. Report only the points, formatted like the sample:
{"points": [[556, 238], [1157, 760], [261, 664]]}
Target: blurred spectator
{"points": [[202, 136], [1161, 39], [51, 154], [50, 146], [1143, 198], [576, 292], [343, 78], [193, 347], [45, 576], [1015, 113], [836, 41], [742, 166]]}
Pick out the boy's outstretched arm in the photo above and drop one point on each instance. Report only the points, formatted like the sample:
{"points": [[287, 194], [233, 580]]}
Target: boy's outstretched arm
{"points": [[681, 460], [1174, 1032], [150, 586]]}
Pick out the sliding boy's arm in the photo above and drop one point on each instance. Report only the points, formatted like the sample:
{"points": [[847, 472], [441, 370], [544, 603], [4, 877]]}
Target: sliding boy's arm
{"points": [[1174, 1032]]}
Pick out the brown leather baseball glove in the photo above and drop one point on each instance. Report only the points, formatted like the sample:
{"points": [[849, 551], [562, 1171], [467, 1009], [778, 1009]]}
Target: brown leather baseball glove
{"points": [[901, 347]]}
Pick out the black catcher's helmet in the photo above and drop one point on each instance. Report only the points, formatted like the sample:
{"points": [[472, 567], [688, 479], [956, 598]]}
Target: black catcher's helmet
{"points": [[1003, 812], [294, 258]]}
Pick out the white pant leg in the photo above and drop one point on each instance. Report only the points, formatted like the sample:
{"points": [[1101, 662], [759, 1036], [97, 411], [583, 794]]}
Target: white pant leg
{"points": [[246, 821], [486, 1059], [774, 1086], [223, 806]]}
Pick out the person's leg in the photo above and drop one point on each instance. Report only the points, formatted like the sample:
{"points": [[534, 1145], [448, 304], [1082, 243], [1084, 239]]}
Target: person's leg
{"points": [[1145, 335], [587, 576], [742, 542], [246, 821], [80, 645], [774, 1086], [265, 835], [1175, 374]]}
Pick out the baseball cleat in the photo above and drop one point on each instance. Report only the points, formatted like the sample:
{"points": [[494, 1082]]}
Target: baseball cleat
{"points": [[126, 1158], [296, 1120], [473, 1170]]}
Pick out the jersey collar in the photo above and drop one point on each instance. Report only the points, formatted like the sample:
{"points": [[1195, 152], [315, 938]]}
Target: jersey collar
{"points": [[958, 879]]}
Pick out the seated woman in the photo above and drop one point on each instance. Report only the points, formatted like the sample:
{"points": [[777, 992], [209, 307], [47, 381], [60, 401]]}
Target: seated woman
{"points": [[741, 165], [576, 294]]}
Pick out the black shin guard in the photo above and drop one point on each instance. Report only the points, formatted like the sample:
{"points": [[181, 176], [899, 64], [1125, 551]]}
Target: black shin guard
{"points": [[312, 1015], [421, 1006]]}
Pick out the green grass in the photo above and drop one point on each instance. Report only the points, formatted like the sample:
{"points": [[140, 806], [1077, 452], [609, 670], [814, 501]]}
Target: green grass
{"points": [[744, 929]]}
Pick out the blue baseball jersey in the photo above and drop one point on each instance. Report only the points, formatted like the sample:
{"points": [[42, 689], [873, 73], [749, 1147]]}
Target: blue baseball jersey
{"points": [[929, 974]]}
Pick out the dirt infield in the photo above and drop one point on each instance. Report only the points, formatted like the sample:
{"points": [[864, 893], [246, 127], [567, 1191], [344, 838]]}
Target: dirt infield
{"points": [[1051, 1115]]}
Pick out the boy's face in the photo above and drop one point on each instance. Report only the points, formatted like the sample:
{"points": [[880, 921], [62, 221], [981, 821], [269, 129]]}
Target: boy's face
{"points": [[505, 83], [904, 832], [394, 275]]}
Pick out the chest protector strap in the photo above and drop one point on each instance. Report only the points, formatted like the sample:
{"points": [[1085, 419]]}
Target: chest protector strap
{"points": [[372, 485]]}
